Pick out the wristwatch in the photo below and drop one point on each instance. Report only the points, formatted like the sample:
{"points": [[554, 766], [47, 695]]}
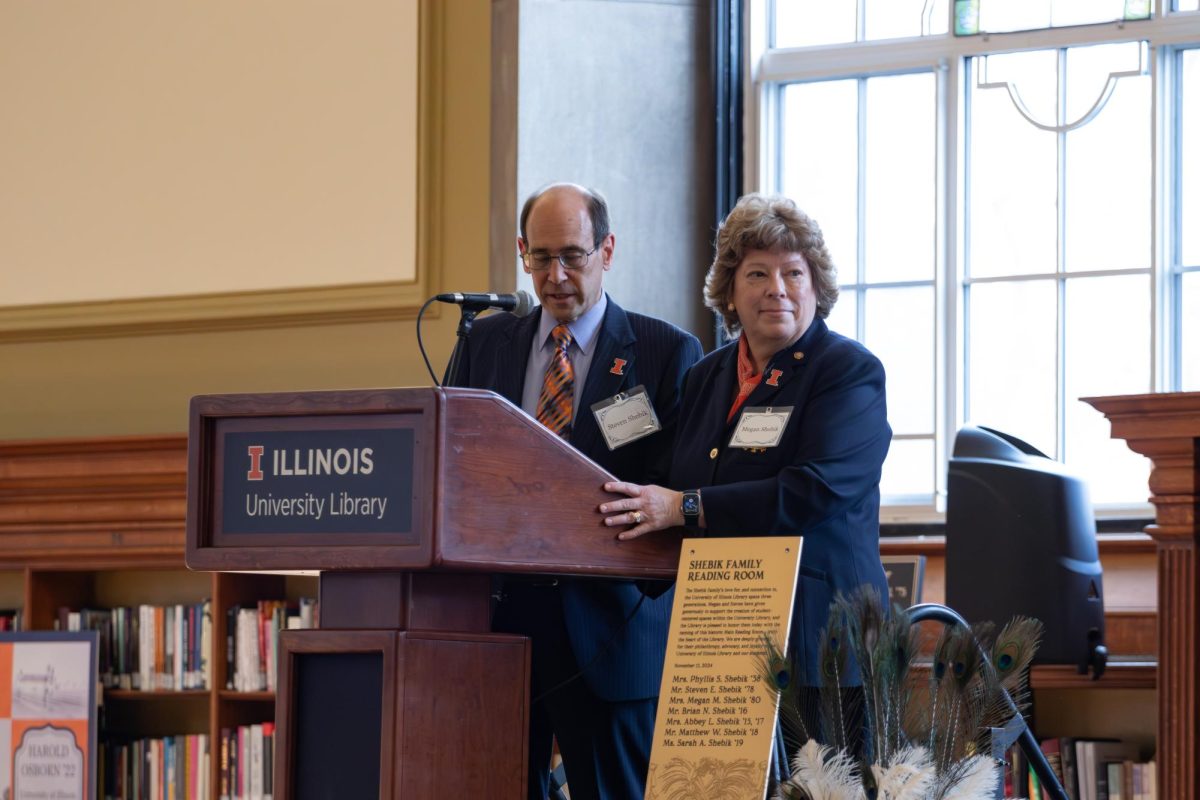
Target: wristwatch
{"points": [[690, 508]]}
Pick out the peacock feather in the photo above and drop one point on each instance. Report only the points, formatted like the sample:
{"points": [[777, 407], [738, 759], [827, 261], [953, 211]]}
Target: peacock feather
{"points": [[932, 744], [1012, 653], [834, 658], [864, 614], [898, 645], [778, 673]]}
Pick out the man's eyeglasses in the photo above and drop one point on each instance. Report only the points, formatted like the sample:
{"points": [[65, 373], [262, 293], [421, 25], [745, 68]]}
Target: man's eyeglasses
{"points": [[572, 259]]}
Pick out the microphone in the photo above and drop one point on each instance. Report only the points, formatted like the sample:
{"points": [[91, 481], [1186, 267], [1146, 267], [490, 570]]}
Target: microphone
{"points": [[519, 303]]}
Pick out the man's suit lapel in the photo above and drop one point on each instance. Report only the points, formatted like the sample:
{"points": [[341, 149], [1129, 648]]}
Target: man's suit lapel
{"points": [[512, 357], [615, 340]]}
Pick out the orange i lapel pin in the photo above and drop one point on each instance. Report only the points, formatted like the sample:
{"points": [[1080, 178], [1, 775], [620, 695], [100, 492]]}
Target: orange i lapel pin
{"points": [[618, 367], [773, 378]]}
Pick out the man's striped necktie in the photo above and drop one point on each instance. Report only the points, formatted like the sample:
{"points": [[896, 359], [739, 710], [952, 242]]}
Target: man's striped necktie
{"points": [[556, 403]]}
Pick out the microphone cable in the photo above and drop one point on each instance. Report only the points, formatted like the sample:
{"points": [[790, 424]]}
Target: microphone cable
{"points": [[602, 651], [421, 344]]}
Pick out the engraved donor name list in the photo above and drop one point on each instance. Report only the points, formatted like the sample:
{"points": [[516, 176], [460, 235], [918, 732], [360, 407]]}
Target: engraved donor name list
{"points": [[715, 715]]}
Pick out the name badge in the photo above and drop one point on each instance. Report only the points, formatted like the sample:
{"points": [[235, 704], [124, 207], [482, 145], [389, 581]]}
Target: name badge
{"points": [[626, 417], [760, 427]]}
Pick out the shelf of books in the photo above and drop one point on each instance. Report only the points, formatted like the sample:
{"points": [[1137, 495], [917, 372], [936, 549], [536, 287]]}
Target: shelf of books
{"points": [[91, 537], [1089, 769], [177, 683]]}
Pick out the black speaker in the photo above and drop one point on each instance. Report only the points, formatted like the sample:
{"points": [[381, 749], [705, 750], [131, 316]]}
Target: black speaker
{"points": [[1021, 539]]}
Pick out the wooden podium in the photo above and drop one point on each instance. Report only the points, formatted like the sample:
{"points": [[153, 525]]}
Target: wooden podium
{"points": [[406, 501]]}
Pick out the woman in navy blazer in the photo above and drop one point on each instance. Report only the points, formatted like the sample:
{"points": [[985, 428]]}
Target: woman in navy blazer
{"points": [[773, 280]]}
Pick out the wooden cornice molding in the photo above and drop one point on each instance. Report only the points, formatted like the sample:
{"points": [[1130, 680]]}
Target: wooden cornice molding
{"points": [[1166, 429], [84, 500], [212, 312]]}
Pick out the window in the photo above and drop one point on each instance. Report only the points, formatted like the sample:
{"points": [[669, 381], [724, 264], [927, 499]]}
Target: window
{"points": [[1005, 188], [1185, 242]]}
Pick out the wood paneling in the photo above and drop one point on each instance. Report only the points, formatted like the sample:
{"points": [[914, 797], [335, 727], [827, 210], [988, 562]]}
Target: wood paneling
{"points": [[1166, 429], [71, 501]]}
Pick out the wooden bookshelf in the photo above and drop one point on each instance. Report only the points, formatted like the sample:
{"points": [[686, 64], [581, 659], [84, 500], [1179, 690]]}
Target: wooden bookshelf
{"points": [[100, 523]]}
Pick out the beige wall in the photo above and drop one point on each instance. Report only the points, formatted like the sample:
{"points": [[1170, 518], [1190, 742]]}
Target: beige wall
{"points": [[157, 150], [137, 374]]}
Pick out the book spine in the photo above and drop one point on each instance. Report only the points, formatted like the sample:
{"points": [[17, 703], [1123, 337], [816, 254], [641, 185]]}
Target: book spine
{"points": [[223, 765], [206, 644], [268, 760], [231, 615], [181, 641], [256, 762], [160, 647]]}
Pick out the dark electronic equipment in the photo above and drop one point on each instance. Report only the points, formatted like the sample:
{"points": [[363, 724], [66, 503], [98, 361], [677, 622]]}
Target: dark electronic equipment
{"points": [[1021, 540]]}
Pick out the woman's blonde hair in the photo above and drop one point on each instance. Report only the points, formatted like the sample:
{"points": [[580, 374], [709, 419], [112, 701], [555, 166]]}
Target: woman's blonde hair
{"points": [[767, 222]]}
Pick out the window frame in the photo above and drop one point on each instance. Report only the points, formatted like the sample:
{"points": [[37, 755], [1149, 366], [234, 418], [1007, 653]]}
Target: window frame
{"points": [[768, 70]]}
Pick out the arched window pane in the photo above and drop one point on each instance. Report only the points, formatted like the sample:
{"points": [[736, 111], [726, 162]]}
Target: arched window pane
{"points": [[1012, 173], [1108, 212]]}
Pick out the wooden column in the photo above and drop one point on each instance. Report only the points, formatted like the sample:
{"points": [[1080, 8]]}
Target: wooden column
{"points": [[1166, 429]]}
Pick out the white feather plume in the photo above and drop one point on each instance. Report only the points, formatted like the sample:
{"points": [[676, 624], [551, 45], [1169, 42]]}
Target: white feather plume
{"points": [[825, 774], [910, 776], [980, 779]]}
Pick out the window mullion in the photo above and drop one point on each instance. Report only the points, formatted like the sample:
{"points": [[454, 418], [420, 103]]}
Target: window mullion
{"points": [[963, 248], [946, 269], [1167, 232], [861, 211], [1060, 415]]}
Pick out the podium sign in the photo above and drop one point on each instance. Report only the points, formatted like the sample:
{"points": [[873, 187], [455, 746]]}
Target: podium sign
{"points": [[453, 480], [311, 477], [716, 717]]}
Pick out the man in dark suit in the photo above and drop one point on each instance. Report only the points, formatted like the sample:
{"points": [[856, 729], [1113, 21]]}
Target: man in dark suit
{"points": [[598, 645]]}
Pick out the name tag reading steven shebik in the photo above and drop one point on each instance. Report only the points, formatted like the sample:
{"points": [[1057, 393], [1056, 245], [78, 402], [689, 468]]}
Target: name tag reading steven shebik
{"points": [[760, 427], [626, 417]]}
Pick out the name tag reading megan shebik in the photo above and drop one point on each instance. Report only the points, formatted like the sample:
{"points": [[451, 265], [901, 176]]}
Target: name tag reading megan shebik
{"points": [[760, 427], [626, 417]]}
